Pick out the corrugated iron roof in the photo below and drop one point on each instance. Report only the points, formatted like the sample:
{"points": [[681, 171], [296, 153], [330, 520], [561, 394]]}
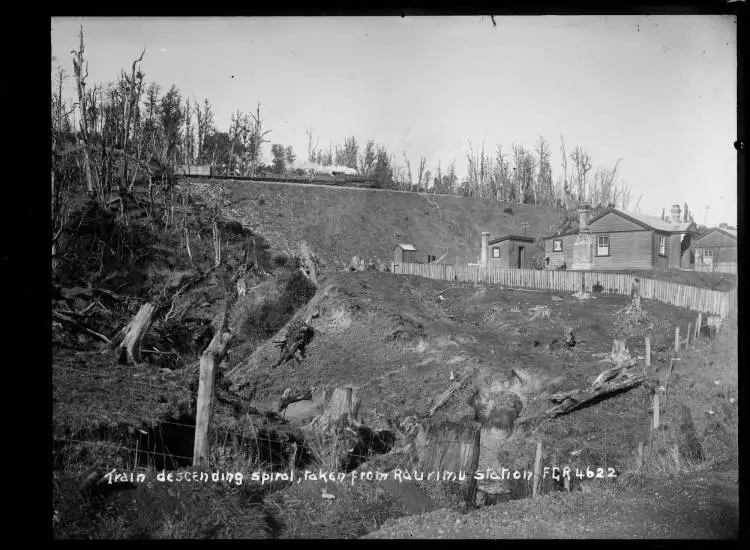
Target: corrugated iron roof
{"points": [[406, 246]]}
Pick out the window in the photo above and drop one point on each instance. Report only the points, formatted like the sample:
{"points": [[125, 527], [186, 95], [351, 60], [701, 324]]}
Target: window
{"points": [[557, 245], [496, 252], [602, 245], [708, 256], [662, 245]]}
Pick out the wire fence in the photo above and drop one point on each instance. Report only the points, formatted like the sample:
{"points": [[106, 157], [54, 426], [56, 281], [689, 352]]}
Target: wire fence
{"points": [[263, 448]]}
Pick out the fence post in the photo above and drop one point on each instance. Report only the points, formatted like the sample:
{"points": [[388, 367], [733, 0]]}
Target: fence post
{"points": [[204, 409], [690, 334], [537, 470], [648, 350], [639, 458], [656, 411], [698, 325], [677, 339]]}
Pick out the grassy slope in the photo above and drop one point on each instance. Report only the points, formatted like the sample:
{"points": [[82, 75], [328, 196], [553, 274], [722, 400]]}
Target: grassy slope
{"points": [[666, 500], [390, 336], [340, 223]]}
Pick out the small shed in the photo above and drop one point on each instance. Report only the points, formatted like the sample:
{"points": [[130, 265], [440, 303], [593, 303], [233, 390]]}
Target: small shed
{"points": [[511, 251], [404, 253]]}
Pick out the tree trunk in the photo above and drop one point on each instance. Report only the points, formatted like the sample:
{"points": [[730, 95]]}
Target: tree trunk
{"points": [[129, 341]]}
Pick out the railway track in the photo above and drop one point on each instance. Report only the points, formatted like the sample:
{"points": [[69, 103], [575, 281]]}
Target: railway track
{"points": [[334, 182]]}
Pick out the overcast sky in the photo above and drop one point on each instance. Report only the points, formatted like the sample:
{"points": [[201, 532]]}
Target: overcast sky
{"points": [[660, 92]]}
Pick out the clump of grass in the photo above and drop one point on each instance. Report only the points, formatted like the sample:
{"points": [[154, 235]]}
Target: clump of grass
{"points": [[421, 346]]}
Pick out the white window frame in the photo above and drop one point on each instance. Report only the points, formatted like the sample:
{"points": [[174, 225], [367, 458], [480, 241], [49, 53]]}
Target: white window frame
{"points": [[557, 245], [708, 256], [495, 251], [662, 245], [600, 247]]}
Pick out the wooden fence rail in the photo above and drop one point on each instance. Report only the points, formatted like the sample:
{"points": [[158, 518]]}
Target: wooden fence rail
{"points": [[713, 302]]}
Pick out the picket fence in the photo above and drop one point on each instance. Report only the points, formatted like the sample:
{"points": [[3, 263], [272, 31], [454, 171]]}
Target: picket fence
{"points": [[721, 267], [713, 302]]}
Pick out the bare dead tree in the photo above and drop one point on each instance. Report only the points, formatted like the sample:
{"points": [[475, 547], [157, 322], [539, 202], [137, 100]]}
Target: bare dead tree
{"points": [[625, 194], [420, 174], [407, 172], [312, 150], [582, 165], [135, 86], [79, 67]]}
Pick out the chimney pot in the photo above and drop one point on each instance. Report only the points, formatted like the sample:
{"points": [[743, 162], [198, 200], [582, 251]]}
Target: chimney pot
{"points": [[675, 213]]}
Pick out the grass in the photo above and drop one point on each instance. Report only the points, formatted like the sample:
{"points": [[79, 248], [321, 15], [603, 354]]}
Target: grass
{"points": [[338, 224], [383, 333]]}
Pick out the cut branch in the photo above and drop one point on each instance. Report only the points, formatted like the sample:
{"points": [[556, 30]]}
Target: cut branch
{"points": [[287, 398]]}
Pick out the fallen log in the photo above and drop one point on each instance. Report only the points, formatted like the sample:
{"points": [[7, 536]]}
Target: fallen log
{"points": [[287, 398], [442, 398], [83, 327], [572, 400]]}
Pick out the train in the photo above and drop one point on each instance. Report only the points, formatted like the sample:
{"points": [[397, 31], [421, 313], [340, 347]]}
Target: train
{"points": [[335, 178]]}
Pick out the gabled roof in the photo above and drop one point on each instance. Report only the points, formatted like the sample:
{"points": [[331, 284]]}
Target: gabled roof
{"points": [[732, 233], [513, 238], [406, 246], [648, 222]]}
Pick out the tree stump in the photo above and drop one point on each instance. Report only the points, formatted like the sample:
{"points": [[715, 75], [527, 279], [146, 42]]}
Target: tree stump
{"points": [[308, 263], [454, 448], [129, 341], [620, 355], [341, 410], [689, 446]]}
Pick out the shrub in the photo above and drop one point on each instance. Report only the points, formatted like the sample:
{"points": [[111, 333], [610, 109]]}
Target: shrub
{"points": [[508, 210]]}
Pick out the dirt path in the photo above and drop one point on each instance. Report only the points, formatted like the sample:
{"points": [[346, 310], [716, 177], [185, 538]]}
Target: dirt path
{"points": [[704, 507]]}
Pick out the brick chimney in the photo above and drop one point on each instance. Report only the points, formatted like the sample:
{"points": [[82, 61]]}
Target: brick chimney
{"points": [[584, 214], [675, 213], [485, 248]]}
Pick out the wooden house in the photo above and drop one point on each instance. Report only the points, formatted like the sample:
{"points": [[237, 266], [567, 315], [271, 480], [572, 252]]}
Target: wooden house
{"points": [[507, 251], [716, 250], [620, 240]]}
